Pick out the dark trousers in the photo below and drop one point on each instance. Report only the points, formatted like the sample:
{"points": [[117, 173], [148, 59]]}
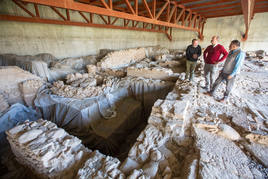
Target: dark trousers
{"points": [[229, 84]]}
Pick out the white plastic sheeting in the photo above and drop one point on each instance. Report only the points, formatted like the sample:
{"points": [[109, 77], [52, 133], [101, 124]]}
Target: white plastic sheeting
{"points": [[83, 117], [15, 115]]}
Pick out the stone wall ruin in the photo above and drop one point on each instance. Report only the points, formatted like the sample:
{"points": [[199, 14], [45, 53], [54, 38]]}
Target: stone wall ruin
{"points": [[186, 134]]}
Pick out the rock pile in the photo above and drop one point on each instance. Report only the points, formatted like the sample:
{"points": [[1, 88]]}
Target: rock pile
{"points": [[81, 86], [29, 89], [156, 70], [47, 150], [122, 58], [259, 54], [100, 166]]}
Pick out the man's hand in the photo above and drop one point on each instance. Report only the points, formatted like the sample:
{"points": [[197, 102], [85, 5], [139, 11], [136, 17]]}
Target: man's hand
{"points": [[229, 77], [195, 56]]}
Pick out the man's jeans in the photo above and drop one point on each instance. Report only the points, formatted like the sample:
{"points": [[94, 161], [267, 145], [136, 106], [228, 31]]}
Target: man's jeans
{"points": [[210, 72], [190, 68], [229, 84]]}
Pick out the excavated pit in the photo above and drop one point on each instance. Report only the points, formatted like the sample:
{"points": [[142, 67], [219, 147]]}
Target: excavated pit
{"points": [[116, 135], [108, 107]]}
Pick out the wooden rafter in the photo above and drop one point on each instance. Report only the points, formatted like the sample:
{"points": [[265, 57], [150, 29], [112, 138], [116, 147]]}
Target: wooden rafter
{"points": [[156, 16], [130, 7]]}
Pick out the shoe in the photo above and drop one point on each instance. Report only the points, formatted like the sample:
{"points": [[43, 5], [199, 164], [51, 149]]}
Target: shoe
{"points": [[205, 88], [208, 93], [224, 99]]}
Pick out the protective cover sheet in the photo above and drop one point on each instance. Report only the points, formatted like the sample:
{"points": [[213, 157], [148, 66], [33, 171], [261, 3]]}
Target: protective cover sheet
{"points": [[116, 111], [16, 114]]}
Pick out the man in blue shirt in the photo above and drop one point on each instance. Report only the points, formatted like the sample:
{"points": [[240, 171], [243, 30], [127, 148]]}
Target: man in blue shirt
{"points": [[230, 69]]}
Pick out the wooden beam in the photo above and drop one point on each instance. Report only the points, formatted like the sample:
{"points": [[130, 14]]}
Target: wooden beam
{"points": [[130, 7], [111, 4], [220, 10], [68, 14], [147, 8], [86, 19], [189, 14], [208, 3], [105, 4], [115, 19], [76, 6], [175, 15], [247, 9], [60, 22], [172, 12], [167, 12], [190, 18], [161, 10], [187, 1], [217, 6], [180, 15], [36, 10], [183, 18], [91, 17], [104, 20], [193, 20], [154, 8], [23, 8], [224, 14], [136, 4], [57, 12]]}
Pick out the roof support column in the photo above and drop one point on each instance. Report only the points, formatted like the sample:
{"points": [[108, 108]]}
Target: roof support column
{"points": [[248, 9]]}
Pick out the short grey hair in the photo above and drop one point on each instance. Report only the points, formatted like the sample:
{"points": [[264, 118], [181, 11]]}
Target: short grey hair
{"points": [[217, 37]]}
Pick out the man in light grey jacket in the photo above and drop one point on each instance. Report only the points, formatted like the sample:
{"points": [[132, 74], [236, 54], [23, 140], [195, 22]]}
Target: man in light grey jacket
{"points": [[230, 69]]}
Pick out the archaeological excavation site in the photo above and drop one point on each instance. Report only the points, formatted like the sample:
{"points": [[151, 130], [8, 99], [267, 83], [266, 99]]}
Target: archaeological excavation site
{"points": [[133, 89]]}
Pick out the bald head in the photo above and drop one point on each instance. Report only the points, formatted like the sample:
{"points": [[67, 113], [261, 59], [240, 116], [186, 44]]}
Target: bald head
{"points": [[215, 40]]}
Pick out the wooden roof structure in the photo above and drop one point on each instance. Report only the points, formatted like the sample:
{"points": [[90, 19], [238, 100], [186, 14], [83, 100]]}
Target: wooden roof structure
{"points": [[142, 15]]}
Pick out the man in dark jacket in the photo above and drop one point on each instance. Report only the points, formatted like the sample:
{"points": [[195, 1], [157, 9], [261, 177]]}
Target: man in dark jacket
{"points": [[193, 51]]}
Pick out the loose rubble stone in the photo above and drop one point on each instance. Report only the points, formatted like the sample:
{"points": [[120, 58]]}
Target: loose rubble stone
{"points": [[120, 73], [48, 151], [82, 86], [260, 54], [100, 166], [251, 54], [256, 138], [122, 58], [222, 130], [172, 109], [91, 69], [29, 90]]}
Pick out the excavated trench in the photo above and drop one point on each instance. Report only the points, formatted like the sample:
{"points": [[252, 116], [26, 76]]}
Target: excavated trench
{"points": [[132, 112], [112, 122]]}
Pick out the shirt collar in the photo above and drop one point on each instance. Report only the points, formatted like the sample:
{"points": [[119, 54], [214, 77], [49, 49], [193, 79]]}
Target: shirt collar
{"points": [[214, 45], [233, 51]]}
